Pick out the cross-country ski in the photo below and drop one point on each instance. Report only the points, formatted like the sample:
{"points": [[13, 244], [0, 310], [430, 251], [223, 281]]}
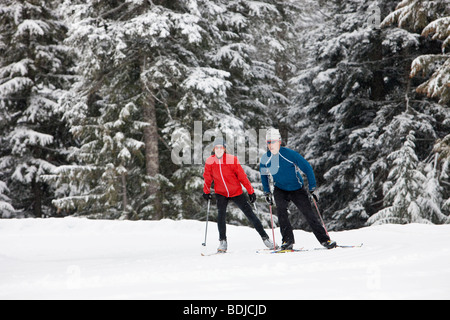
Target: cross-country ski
{"points": [[306, 250], [213, 253]]}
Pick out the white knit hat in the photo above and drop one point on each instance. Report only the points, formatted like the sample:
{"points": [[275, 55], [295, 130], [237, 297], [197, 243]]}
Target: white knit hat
{"points": [[273, 134]]}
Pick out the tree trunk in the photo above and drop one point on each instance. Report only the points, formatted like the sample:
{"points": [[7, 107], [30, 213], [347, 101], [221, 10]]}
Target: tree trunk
{"points": [[124, 195], [37, 192], [378, 91], [151, 144]]}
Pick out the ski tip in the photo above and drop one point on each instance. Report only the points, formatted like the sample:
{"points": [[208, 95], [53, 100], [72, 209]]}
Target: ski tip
{"points": [[213, 254], [352, 246]]}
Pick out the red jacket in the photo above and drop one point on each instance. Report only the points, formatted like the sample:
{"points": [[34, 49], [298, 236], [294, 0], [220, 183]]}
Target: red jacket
{"points": [[227, 175]]}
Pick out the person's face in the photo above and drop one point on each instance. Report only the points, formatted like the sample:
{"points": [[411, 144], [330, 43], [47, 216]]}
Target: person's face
{"points": [[274, 146], [219, 151]]}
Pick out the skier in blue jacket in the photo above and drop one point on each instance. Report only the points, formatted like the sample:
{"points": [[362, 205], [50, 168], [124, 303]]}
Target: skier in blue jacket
{"points": [[284, 166]]}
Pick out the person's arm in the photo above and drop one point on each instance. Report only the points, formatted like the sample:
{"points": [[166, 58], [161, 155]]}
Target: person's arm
{"points": [[304, 165], [242, 177], [207, 176]]}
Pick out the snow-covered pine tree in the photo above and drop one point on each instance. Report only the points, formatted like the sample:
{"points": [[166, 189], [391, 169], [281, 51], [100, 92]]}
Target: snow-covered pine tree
{"points": [[432, 201], [173, 59], [438, 84], [112, 109], [244, 45], [442, 149], [406, 199], [6, 209], [344, 100], [337, 92], [252, 54], [253, 47], [201, 94], [111, 154], [431, 19], [34, 71]]}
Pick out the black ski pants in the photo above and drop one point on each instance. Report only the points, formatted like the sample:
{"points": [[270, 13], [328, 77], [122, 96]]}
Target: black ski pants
{"points": [[301, 200], [242, 203]]}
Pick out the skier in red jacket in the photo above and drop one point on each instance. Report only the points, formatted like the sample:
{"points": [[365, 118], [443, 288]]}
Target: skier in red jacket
{"points": [[228, 176]]}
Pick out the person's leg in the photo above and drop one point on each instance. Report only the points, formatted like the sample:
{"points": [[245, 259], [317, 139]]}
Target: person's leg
{"points": [[302, 202], [222, 203], [282, 201], [242, 203]]}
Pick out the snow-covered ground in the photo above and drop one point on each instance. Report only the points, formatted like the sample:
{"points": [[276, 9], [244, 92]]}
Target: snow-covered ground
{"points": [[75, 258]]}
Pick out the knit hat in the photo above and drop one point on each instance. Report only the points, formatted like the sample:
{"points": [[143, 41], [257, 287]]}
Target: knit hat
{"points": [[219, 142], [273, 134]]}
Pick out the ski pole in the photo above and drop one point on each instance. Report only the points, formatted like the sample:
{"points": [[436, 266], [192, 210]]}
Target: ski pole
{"points": [[320, 216], [207, 218]]}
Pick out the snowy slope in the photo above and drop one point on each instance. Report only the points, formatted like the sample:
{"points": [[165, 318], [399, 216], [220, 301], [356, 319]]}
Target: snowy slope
{"points": [[75, 258]]}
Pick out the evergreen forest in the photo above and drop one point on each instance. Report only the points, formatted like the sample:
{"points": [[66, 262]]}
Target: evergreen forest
{"points": [[95, 96]]}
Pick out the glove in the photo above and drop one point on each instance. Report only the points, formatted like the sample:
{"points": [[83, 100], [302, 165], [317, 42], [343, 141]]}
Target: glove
{"points": [[207, 196], [269, 199], [252, 198], [315, 196]]}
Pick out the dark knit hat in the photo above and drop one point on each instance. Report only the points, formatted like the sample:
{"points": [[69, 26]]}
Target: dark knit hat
{"points": [[219, 142]]}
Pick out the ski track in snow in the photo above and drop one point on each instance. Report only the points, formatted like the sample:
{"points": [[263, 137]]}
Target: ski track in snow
{"points": [[76, 258]]}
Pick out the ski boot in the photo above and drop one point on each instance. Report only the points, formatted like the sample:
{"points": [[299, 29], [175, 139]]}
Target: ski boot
{"points": [[287, 245], [330, 244], [223, 246], [269, 243]]}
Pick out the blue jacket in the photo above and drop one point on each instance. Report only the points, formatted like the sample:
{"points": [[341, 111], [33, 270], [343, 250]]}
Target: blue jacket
{"points": [[284, 168]]}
